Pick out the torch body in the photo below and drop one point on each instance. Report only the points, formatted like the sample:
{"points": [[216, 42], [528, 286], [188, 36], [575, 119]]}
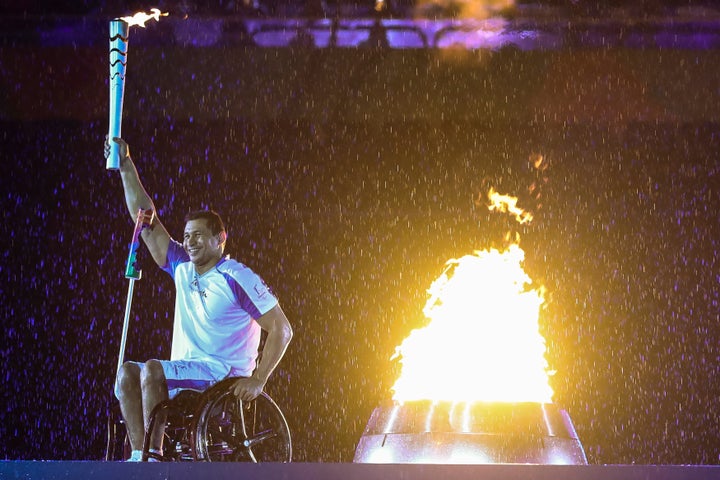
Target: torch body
{"points": [[119, 30]]}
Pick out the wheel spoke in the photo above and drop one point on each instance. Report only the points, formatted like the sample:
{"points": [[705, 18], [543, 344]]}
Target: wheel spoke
{"points": [[261, 437]]}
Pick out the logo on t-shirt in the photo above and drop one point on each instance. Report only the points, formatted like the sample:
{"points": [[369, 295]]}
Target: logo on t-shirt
{"points": [[260, 289], [195, 287]]}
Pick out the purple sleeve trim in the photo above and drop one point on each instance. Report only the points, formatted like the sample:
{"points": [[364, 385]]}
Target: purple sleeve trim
{"points": [[176, 255], [245, 300]]}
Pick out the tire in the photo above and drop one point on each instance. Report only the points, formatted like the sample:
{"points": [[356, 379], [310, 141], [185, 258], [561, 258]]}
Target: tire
{"points": [[226, 429]]}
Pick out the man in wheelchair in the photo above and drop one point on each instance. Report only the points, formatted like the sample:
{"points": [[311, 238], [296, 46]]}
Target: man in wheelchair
{"points": [[221, 308]]}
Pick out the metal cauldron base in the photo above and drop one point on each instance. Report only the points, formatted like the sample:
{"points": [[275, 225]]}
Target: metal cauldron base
{"points": [[470, 433]]}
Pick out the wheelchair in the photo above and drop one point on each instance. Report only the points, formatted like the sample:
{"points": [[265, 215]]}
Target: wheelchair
{"points": [[213, 426]]}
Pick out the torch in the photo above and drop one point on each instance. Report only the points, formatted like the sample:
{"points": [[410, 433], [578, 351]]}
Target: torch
{"points": [[133, 272], [119, 32]]}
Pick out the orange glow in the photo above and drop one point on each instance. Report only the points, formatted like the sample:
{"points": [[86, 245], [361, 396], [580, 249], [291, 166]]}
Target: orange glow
{"points": [[475, 9], [140, 18]]}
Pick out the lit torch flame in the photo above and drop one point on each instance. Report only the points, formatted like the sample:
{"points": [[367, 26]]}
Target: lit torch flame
{"points": [[483, 341], [140, 18], [119, 36]]}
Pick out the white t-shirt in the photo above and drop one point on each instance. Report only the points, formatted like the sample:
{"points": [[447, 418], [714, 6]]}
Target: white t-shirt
{"points": [[215, 312]]}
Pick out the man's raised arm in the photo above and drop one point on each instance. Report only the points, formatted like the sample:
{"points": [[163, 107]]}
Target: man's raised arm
{"points": [[156, 237]]}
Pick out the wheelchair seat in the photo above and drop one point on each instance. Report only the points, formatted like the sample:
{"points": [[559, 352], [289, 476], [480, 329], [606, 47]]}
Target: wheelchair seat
{"points": [[214, 426]]}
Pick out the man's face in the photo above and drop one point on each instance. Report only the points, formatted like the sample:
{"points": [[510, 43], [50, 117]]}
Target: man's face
{"points": [[201, 245]]}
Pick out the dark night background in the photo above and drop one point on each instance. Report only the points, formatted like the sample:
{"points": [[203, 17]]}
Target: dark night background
{"points": [[347, 178]]}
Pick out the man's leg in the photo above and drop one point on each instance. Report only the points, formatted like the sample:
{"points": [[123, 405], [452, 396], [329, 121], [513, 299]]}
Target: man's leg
{"points": [[154, 391], [130, 397]]}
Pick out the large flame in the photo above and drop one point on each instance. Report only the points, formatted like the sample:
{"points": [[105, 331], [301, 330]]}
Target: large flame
{"points": [[483, 341], [140, 18]]}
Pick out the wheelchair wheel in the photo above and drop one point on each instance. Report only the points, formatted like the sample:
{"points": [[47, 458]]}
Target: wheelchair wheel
{"points": [[227, 429]]}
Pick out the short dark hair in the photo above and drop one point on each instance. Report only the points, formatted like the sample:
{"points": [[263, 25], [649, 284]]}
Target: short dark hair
{"points": [[213, 220]]}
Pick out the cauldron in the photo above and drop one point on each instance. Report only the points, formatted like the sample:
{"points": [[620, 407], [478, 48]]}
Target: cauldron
{"points": [[470, 433]]}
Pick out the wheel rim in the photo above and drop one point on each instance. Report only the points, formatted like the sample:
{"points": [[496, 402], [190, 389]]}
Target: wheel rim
{"points": [[229, 429]]}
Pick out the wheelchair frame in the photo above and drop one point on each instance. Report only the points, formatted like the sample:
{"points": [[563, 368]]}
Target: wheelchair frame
{"points": [[212, 425]]}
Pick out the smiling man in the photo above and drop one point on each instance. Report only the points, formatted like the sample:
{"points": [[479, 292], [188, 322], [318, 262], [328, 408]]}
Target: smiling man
{"points": [[221, 306]]}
